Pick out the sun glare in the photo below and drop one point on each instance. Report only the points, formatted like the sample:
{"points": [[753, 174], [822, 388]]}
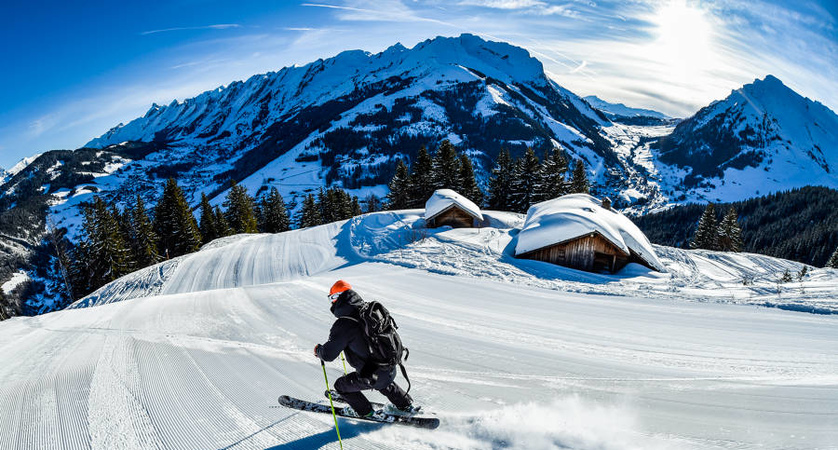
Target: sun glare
{"points": [[684, 38]]}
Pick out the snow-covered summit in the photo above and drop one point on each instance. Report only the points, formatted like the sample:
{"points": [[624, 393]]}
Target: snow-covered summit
{"points": [[443, 199], [443, 59], [5, 175], [763, 137], [575, 215]]}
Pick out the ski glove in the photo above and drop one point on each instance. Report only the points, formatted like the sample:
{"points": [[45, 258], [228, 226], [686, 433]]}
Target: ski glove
{"points": [[317, 351]]}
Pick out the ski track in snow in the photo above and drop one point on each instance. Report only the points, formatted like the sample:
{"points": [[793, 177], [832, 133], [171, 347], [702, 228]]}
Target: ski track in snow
{"points": [[508, 353]]}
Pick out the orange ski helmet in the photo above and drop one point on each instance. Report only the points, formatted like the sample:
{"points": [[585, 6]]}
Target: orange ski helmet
{"points": [[337, 288]]}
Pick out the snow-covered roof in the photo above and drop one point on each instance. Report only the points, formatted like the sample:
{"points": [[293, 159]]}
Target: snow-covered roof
{"points": [[575, 215], [444, 199]]}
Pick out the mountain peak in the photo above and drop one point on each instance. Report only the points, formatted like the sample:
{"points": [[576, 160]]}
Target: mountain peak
{"points": [[770, 86], [495, 59]]}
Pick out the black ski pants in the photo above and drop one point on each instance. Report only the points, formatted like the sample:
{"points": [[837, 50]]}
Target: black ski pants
{"points": [[350, 387]]}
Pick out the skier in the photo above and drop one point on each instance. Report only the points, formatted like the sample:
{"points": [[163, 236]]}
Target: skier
{"points": [[347, 335]]}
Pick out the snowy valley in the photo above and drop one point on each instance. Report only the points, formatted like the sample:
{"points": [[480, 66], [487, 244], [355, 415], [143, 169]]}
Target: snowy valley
{"points": [[508, 353]]}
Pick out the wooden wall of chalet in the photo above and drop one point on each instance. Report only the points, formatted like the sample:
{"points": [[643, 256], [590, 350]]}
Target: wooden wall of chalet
{"points": [[453, 217], [592, 253]]}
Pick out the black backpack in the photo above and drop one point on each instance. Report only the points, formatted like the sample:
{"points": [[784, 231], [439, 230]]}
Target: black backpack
{"points": [[384, 342]]}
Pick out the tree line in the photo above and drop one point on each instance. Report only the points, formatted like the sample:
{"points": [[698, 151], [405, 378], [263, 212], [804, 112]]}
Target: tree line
{"points": [[711, 234], [115, 242], [515, 184], [799, 224]]}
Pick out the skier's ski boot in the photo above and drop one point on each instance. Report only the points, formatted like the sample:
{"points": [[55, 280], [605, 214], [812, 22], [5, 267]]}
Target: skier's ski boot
{"points": [[349, 412], [377, 415], [409, 410]]}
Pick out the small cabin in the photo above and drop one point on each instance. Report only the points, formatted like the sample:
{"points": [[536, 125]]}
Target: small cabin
{"points": [[446, 207], [581, 232]]}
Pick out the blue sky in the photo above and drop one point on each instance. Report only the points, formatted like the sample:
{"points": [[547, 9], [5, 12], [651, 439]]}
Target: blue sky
{"points": [[72, 70]]}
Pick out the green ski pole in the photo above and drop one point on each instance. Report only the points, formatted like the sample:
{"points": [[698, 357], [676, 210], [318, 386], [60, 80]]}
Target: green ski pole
{"points": [[344, 363], [329, 390]]}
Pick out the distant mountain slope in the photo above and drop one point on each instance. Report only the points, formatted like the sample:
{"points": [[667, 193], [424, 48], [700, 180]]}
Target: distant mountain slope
{"points": [[763, 137], [801, 224], [625, 114], [348, 118]]}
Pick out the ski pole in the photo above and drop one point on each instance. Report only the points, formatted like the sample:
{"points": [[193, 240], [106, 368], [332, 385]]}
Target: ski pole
{"points": [[344, 363], [329, 390]]}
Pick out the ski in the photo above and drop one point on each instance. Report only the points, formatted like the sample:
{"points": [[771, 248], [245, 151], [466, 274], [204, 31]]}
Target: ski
{"points": [[304, 405], [389, 409]]}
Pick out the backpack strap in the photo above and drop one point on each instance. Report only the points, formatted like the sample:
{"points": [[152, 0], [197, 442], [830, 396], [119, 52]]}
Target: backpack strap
{"points": [[404, 374], [358, 321]]}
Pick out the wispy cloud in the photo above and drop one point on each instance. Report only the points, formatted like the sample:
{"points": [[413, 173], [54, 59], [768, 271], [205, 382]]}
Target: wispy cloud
{"points": [[219, 26], [611, 48], [536, 7], [503, 4], [390, 11]]}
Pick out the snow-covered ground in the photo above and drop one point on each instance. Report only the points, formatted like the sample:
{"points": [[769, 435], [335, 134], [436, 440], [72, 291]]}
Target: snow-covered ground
{"points": [[192, 353]]}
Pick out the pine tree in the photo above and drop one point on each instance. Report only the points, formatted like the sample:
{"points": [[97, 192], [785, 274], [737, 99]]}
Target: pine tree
{"points": [[325, 204], [145, 240], [354, 207], [208, 228], [239, 210], [107, 250], [174, 223], [274, 213], [579, 183], [309, 213], [421, 179], [526, 181], [399, 196], [730, 234], [446, 167], [467, 183], [706, 235], [833, 260], [554, 175], [125, 224], [81, 268], [500, 184], [372, 203], [221, 225], [336, 204]]}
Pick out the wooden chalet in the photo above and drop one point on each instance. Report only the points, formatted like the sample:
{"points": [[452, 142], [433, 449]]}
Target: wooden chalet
{"points": [[446, 207], [578, 231], [591, 252]]}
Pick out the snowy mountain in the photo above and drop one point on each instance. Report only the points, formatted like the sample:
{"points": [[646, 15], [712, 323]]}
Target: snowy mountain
{"points": [[346, 120], [763, 137], [622, 113], [507, 353]]}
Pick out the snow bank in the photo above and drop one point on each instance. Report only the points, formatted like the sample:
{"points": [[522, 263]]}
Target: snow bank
{"points": [[571, 216], [445, 198]]}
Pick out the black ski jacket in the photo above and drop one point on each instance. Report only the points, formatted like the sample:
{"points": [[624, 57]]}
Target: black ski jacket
{"points": [[347, 335]]}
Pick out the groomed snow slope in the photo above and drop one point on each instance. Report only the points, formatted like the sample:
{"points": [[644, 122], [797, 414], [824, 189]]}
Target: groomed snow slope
{"points": [[509, 354]]}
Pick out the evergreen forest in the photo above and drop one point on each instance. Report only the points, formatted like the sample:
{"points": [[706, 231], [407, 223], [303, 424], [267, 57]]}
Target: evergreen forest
{"points": [[800, 225]]}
